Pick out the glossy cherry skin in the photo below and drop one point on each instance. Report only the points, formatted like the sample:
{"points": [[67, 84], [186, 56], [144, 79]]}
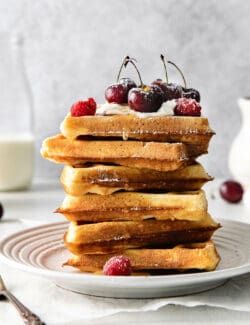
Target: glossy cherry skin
{"points": [[145, 99], [118, 93], [163, 85], [128, 83], [231, 191], [174, 91], [191, 93], [170, 90]]}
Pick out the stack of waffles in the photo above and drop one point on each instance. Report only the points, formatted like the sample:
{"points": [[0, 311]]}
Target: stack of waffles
{"points": [[133, 188]]}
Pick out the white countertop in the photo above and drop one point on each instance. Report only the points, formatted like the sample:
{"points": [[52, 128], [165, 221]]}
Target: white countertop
{"points": [[35, 206]]}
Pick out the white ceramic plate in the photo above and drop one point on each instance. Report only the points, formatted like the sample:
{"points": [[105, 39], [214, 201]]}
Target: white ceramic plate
{"points": [[41, 251]]}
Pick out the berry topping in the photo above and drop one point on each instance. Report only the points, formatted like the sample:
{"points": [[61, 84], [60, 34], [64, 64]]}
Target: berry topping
{"points": [[85, 107], [128, 83], [172, 90], [1, 210], [145, 99], [117, 265], [187, 107], [118, 93], [231, 191], [191, 93]]}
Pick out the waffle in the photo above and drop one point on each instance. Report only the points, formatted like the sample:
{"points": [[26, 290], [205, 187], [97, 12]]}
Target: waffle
{"points": [[109, 237], [152, 155], [189, 130], [195, 256], [104, 179], [134, 206]]}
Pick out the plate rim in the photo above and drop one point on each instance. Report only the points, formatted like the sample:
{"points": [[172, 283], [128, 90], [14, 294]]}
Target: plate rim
{"points": [[176, 279]]}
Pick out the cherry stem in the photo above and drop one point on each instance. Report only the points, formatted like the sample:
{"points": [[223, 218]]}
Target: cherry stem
{"points": [[124, 64], [165, 67], [131, 60], [182, 75]]}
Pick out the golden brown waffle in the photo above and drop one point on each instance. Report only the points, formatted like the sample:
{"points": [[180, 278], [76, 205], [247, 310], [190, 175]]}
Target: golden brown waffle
{"points": [[152, 155], [195, 256], [134, 206], [104, 179], [114, 236], [190, 130]]}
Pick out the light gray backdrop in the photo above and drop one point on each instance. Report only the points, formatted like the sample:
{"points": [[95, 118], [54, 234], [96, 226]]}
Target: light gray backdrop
{"points": [[73, 50]]}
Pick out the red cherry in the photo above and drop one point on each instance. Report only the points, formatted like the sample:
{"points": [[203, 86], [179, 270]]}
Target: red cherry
{"points": [[86, 107], [231, 191], [118, 93], [145, 99], [117, 265], [170, 90], [187, 107], [128, 82], [191, 93]]}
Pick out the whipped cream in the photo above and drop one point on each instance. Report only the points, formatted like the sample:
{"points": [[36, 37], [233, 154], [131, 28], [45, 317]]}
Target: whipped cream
{"points": [[167, 108]]}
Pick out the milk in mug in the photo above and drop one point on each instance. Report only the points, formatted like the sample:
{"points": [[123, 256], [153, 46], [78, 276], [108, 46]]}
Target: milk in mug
{"points": [[16, 161]]}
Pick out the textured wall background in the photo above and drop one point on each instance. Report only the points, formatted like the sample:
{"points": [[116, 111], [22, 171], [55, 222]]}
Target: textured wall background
{"points": [[73, 50]]}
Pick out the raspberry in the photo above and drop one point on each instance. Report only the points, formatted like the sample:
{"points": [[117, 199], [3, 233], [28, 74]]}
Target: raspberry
{"points": [[188, 107], [117, 265], [86, 107]]}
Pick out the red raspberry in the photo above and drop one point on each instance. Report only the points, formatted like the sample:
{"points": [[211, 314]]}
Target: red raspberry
{"points": [[187, 107], [117, 265], [86, 107]]}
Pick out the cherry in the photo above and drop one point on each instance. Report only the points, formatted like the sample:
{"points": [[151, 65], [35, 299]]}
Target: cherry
{"points": [[173, 91], [1, 210], [128, 83], [85, 107], [170, 90], [231, 191], [117, 265], [163, 85], [145, 98], [187, 92], [191, 93], [187, 107], [118, 93]]}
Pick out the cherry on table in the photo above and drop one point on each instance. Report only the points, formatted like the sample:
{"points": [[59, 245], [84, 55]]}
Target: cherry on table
{"points": [[231, 191]]}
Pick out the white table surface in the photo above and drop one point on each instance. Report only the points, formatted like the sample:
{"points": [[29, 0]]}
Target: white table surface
{"points": [[35, 206]]}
